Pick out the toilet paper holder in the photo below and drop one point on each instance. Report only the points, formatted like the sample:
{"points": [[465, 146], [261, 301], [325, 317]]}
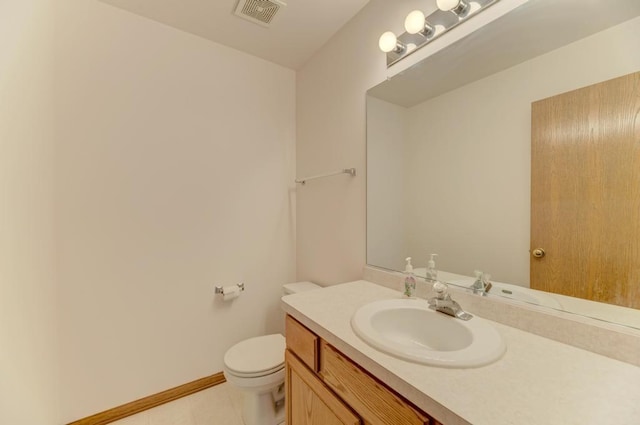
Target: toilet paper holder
{"points": [[220, 289]]}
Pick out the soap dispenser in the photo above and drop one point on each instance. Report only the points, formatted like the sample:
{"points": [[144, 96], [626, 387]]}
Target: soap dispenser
{"points": [[432, 272], [409, 279]]}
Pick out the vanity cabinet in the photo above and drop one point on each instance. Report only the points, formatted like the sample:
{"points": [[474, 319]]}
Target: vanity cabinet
{"points": [[310, 401], [323, 386]]}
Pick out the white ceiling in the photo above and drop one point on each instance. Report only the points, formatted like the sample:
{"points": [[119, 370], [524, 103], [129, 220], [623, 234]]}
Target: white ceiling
{"points": [[295, 34]]}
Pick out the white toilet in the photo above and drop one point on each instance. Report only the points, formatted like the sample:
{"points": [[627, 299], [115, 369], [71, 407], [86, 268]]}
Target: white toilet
{"points": [[256, 367]]}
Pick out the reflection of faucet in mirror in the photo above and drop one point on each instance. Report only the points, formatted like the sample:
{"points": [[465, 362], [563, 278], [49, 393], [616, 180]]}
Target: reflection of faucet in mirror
{"points": [[482, 285], [443, 303]]}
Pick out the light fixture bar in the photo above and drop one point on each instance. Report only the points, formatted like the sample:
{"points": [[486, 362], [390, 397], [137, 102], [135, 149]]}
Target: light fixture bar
{"points": [[450, 14]]}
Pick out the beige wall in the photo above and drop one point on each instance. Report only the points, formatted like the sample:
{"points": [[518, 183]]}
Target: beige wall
{"points": [[28, 311], [175, 164], [330, 92]]}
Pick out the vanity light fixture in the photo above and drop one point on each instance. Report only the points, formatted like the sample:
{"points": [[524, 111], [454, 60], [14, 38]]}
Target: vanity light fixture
{"points": [[421, 29]]}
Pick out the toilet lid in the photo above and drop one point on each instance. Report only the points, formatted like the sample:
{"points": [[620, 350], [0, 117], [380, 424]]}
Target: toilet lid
{"points": [[256, 356]]}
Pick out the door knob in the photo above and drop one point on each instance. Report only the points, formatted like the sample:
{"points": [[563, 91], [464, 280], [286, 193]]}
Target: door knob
{"points": [[538, 253]]}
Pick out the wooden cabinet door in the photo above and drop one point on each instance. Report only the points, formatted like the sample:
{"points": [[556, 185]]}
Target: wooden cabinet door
{"points": [[371, 399], [309, 401], [302, 342]]}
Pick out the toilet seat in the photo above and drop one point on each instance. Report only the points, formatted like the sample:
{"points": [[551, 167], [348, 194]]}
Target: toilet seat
{"points": [[256, 357], [254, 374], [257, 384]]}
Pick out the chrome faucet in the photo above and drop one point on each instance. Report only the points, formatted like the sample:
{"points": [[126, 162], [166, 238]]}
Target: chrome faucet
{"points": [[443, 303], [482, 285]]}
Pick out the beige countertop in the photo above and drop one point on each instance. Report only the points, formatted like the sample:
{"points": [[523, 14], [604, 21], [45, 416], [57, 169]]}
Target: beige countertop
{"points": [[537, 381]]}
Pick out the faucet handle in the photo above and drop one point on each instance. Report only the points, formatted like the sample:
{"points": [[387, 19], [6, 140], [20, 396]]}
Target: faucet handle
{"points": [[440, 289]]}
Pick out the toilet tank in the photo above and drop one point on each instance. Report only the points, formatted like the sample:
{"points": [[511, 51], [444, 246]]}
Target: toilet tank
{"points": [[294, 288]]}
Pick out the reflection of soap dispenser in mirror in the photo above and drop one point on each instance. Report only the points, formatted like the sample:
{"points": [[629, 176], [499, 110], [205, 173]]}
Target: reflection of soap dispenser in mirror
{"points": [[478, 285], [409, 279], [432, 272]]}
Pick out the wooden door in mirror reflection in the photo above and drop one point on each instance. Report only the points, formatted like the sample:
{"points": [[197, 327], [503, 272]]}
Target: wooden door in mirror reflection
{"points": [[585, 192]]}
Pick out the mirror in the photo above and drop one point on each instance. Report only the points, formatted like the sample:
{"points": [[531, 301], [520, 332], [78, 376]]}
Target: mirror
{"points": [[449, 163]]}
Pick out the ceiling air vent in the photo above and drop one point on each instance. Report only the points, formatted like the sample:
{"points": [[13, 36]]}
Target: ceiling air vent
{"points": [[260, 12]]}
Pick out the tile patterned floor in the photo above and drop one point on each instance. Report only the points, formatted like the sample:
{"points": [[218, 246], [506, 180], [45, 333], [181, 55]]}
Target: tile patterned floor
{"points": [[219, 405]]}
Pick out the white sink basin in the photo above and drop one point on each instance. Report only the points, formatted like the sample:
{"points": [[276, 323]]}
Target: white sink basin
{"points": [[410, 330]]}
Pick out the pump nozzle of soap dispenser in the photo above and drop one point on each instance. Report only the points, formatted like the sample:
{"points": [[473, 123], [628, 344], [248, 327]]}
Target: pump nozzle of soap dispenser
{"points": [[408, 268]]}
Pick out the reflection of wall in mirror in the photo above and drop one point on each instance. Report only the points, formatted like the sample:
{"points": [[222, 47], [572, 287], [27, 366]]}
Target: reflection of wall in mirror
{"points": [[386, 229], [466, 171]]}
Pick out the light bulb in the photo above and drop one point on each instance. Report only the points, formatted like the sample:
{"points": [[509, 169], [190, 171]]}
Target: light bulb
{"points": [[447, 4], [414, 22], [456, 6], [388, 42]]}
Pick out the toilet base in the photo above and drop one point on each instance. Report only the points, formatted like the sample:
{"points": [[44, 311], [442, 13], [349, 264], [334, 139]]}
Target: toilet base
{"points": [[264, 409]]}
